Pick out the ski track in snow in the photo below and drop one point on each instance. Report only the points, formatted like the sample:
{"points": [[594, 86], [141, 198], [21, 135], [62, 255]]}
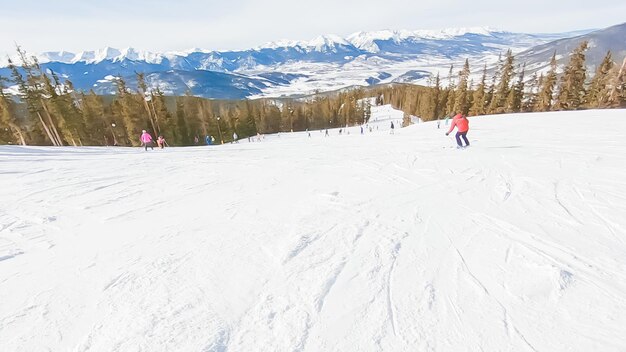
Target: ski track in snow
{"points": [[372, 242]]}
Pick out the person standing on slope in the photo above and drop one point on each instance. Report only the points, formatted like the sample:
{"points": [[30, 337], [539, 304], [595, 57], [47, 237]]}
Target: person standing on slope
{"points": [[392, 127], [462, 126], [146, 140]]}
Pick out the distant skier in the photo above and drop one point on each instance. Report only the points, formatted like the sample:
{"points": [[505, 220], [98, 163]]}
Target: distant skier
{"points": [[438, 123], [462, 126], [362, 130], [235, 137], [207, 140], [195, 140], [326, 134], [146, 140], [392, 127]]}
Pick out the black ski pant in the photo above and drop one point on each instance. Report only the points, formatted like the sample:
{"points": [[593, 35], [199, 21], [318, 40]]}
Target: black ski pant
{"points": [[458, 138]]}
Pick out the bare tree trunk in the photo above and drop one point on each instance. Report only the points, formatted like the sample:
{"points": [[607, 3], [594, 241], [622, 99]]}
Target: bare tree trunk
{"points": [[156, 131], [18, 133], [52, 126], [45, 127], [156, 117], [204, 120]]}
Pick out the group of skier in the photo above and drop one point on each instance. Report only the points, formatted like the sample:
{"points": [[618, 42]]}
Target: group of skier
{"points": [[459, 121], [146, 141]]}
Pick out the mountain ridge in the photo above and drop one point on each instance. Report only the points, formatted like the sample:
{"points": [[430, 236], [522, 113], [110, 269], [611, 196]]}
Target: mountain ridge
{"points": [[360, 40], [286, 68]]}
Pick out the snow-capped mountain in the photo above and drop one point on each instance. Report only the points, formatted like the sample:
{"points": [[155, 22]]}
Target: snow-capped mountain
{"points": [[325, 63], [97, 56], [538, 58]]}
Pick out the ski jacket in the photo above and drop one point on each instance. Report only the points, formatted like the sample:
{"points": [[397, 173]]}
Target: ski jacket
{"points": [[460, 122], [146, 137]]}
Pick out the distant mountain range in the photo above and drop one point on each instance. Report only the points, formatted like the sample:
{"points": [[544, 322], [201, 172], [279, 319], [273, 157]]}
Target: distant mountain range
{"points": [[612, 38], [322, 64]]}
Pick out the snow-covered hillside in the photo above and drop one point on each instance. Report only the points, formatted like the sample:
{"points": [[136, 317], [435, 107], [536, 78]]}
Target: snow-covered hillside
{"points": [[372, 242]]}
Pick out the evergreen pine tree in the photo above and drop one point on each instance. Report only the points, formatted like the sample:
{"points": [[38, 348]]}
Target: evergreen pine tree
{"points": [[498, 101], [617, 97], [516, 94], [436, 98], [31, 94], [531, 95], [546, 93], [131, 111], [163, 118], [478, 105], [572, 85], [61, 106], [96, 126], [461, 96], [367, 113], [598, 92], [8, 116], [451, 97], [182, 136], [490, 97]]}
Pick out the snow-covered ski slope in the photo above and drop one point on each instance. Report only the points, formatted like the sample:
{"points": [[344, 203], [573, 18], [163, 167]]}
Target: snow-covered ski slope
{"points": [[372, 242]]}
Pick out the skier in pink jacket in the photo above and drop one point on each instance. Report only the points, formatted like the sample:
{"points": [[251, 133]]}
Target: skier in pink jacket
{"points": [[146, 140], [462, 125]]}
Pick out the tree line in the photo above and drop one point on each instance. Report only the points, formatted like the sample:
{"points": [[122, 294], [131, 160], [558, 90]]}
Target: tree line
{"points": [[508, 90], [51, 112]]}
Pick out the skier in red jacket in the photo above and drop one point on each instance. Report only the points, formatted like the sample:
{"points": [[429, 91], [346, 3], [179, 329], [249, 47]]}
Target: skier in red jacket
{"points": [[462, 125]]}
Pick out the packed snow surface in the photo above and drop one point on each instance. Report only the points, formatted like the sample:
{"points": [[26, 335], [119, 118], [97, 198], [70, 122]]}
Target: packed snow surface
{"points": [[373, 242]]}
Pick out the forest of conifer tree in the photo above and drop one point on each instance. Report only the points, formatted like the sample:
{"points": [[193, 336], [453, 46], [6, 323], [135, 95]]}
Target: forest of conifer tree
{"points": [[49, 111]]}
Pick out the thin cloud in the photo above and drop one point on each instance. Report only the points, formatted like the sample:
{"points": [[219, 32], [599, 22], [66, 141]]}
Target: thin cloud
{"points": [[161, 25]]}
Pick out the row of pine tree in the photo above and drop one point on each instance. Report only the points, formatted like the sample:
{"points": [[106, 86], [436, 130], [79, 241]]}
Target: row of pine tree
{"points": [[508, 90], [51, 112]]}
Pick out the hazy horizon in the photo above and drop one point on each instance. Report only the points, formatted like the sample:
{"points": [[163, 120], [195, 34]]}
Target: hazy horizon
{"points": [[159, 25]]}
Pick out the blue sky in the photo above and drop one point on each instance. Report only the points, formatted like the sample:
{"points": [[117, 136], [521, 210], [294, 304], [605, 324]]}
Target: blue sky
{"points": [[160, 25]]}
